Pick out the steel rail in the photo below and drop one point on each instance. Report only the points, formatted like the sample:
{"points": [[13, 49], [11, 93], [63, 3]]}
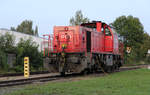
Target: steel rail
{"points": [[20, 74]]}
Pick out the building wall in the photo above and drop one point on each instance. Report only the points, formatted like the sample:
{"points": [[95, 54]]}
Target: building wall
{"points": [[19, 35]]}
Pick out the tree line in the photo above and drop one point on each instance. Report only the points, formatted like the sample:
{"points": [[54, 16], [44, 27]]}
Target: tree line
{"points": [[26, 27]]}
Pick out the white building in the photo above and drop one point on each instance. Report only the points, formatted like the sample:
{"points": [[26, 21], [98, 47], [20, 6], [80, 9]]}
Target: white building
{"points": [[19, 35]]}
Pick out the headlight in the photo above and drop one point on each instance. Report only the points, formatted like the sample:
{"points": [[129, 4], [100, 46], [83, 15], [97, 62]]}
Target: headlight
{"points": [[64, 46]]}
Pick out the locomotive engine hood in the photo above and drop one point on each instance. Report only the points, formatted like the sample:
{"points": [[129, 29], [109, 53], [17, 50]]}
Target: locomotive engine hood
{"points": [[65, 38]]}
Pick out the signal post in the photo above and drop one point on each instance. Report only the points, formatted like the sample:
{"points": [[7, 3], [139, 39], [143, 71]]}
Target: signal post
{"points": [[26, 67]]}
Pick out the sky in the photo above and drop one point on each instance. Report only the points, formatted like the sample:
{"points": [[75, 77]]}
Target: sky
{"points": [[48, 13]]}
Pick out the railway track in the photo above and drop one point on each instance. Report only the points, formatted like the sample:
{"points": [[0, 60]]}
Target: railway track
{"points": [[50, 78], [27, 81], [20, 74]]}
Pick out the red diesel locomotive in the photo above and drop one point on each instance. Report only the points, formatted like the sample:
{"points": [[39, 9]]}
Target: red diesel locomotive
{"points": [[87, 47]]}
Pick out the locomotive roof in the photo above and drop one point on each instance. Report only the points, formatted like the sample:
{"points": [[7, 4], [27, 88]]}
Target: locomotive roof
{"points": [[92, 24]]}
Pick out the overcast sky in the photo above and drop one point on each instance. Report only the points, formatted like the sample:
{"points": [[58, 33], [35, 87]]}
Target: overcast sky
{"points": [[48, 13]]}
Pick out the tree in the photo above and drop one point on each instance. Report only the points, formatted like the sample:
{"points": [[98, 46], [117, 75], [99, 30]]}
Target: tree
{"points": [[145, 46], [12, 29], [30, 49], [7, 42], [36, 31], [6, 46], [26, 27], [78, 19], [131, 29]]}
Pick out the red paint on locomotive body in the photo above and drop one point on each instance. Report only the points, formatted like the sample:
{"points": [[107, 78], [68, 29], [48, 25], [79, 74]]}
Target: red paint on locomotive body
{"points": [[103, 39], [72, 39]]}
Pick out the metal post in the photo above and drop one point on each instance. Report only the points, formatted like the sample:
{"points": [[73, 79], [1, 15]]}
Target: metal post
{"points": [[26, 67]]}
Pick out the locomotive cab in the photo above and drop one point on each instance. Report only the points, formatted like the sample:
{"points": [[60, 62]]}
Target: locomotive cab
{"points": [[108, 40], [108, 35]]}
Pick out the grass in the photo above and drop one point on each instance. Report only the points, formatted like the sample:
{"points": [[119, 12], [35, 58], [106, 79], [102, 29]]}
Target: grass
{"points": [[136, 63], [135, 82]]}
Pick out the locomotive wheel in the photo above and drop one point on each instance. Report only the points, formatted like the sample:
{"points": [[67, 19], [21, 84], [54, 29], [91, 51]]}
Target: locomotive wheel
{"points": [[117, 67], [113, 68], [62, 73], [85, 72], [108, 69]]}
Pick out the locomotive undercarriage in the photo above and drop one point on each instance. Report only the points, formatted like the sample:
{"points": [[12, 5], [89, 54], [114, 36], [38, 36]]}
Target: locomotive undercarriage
{"points": [[77, 63], [106, 62], [70, 63]]}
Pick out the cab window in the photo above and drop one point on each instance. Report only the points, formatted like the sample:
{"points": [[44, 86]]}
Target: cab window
{"points": [[107, 32]]}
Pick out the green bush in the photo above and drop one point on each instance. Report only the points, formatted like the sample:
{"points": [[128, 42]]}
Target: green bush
{"points": [[28, 48], [24, 48], [3, 63]]}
